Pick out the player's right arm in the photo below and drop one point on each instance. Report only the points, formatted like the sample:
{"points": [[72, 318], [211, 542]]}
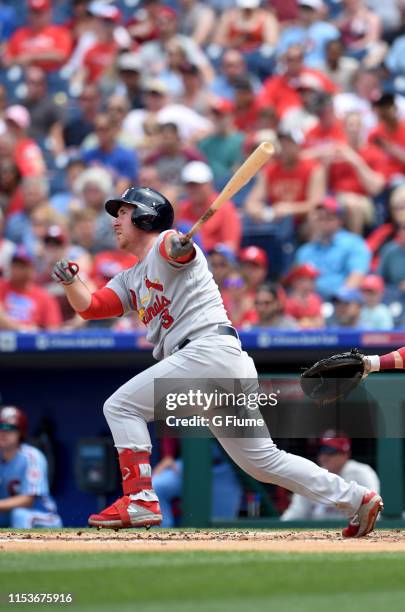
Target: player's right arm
{"points": [[101, 304]]}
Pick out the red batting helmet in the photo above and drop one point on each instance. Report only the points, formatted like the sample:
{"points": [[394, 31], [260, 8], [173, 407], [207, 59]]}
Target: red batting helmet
{"points": [[13, 419]]}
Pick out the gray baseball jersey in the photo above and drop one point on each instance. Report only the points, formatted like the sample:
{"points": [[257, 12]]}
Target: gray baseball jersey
{"points": [[174, 301]]}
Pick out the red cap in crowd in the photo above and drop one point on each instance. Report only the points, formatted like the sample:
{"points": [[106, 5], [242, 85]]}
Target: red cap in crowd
{"points": [[222, 106], [301, 271], [255, 255], [39, 5], [334, 442], [55, 235], [372, 282], [331, 204]]}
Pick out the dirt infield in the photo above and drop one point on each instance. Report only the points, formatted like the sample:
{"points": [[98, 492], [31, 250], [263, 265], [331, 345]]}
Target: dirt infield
{"points": [[210, 540]]}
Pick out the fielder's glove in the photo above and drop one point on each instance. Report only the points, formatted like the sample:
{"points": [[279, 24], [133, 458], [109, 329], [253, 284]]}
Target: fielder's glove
{"points": [[334, 377], [65, 271]]}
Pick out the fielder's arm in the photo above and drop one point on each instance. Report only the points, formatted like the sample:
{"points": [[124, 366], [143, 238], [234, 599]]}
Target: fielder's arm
{"points": [[390, 361]]}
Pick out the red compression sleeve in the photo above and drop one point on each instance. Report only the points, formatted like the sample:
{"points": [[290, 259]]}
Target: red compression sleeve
{"points": [[104, 304], [393, 360]]}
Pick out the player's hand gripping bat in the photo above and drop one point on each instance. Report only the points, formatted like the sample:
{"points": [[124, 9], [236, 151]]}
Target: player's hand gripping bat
{"points": [[248, 169]]}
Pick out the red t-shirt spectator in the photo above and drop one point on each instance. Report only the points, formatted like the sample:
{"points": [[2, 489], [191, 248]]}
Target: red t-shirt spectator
{"points": [[321, 134], [395, 137], [28, 158], [51, 38], [107, 264], [281, 93], [32, 306], [224, 227], [289, 184], [99, 59], [344, 178], [312, 307]]}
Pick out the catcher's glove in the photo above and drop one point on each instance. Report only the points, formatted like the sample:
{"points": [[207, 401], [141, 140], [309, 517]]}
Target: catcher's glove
{"points": [[334, 377]]}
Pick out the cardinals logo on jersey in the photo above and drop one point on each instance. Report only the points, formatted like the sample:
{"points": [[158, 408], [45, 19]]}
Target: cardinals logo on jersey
{"points": [[159, 306]]}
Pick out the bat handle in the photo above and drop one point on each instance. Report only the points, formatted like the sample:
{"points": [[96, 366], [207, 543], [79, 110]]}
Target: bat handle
{"points": [[186, 238]]}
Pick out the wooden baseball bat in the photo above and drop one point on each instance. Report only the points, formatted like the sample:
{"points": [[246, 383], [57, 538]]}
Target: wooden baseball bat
{"points": [[248, 169]]}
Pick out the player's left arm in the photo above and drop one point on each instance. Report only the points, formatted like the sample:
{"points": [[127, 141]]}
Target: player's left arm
{"points": [[16, 501]]}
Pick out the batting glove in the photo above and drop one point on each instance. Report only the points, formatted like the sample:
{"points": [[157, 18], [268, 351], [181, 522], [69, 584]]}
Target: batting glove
{"points": [[65, 271], [177, 249]]}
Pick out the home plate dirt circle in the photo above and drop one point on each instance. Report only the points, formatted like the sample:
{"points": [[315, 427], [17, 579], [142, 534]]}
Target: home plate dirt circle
{"points": [[210, 540]]}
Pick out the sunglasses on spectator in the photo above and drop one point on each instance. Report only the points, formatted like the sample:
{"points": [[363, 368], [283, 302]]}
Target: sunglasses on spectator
{"points": [[264, 302]]}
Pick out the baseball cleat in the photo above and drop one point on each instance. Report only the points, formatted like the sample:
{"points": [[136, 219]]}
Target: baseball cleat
{"points": [[363, 522], [126, 512]]}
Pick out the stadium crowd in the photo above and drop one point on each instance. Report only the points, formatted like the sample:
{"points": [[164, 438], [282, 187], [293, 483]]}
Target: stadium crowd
{"points": [[96, 96]]}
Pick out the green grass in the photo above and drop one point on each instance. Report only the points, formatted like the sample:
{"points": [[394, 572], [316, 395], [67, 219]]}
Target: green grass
{"points": [[209, 582]]}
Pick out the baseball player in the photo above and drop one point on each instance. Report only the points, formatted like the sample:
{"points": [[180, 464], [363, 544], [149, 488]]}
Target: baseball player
{"points": [[24, 494], [334, 454], [173, 292]]}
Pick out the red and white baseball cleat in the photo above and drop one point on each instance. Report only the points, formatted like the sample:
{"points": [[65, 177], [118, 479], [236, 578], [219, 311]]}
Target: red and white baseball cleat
{"points": [[363, 522], [126, 512]]}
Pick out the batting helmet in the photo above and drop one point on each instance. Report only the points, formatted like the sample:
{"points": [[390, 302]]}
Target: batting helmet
{"points": [[13, 419], [152, 211]]}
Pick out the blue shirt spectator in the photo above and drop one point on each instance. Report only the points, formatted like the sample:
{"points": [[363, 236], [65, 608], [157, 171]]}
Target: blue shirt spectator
{"points": [[121, 161], [341, 257], [310, 33], [8, 21]]}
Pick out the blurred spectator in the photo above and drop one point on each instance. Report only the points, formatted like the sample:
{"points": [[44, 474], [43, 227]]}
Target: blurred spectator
{"points": [[143, 26], [251, 29], [392, 261], [45, 114], [310, 31], [65, 201], [121, 161], [99, 59], [303, 303], [93, 187], [27, 154], [281, 90], [254, 267], [3, 106], [389, 136], [237, 300], [196, 20], [348, 304], [221, 262], [361, 33], [191, 125], [289, 185], [129, 67], [395, 59], [10, 186], [6, 249], [374, 315], [223, 149], [82, 227], [19, 226], [341, 257], [25, 305], [224, 227], [8, 23], [154, 53], [149, 176], [81, 124], [269, 303], [193, 94], [25, 502], [339, 68], [334, 454], [116, 108], [232, 68], [386, 232], [170, 155], [246, 111], [357, 174], [40, 42]]}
